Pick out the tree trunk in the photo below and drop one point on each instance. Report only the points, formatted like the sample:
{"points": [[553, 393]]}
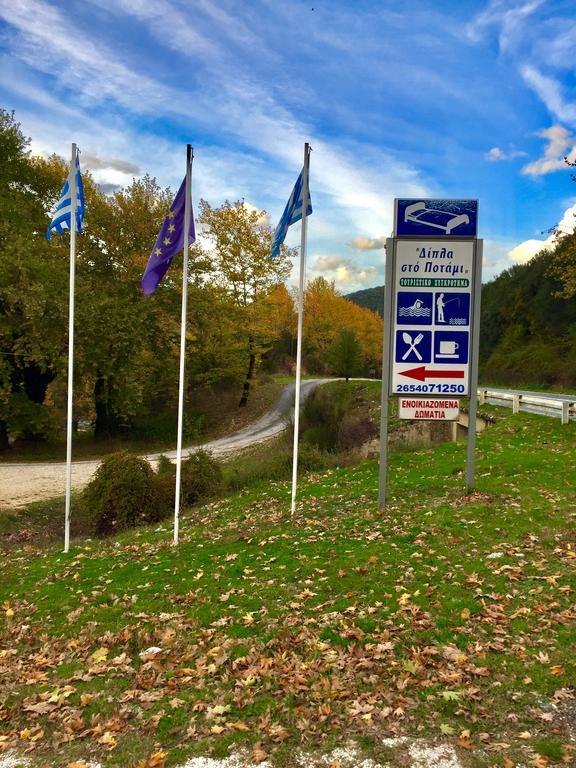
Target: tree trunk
{"points": [[36, 382], [106, 424], [248, 380], [4, 444]]}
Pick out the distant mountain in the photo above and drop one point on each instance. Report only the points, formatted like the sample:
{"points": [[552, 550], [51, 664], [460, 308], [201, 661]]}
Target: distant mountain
{"points": [[370, 298]]}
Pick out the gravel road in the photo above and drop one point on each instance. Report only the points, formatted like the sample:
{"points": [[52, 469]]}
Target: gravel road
{"points": [[21, 484]]}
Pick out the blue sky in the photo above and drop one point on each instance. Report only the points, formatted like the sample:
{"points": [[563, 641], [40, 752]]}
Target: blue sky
{"points": [[432, 98]]}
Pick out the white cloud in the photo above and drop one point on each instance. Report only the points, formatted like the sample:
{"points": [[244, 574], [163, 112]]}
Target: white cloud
{"points": [[328, 263], [96, 163], [347, 274], [49, 43], [529, 248], [559, 142], [550, 91], [559, 50], [233, 105], [496, 154], [510, 19], [368, 243]]}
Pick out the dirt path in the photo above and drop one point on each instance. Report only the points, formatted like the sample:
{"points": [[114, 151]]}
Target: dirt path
{"points": [[21, 484]]}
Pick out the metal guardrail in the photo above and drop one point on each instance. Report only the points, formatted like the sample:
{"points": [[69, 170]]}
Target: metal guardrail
{"points": [[531, 403]]}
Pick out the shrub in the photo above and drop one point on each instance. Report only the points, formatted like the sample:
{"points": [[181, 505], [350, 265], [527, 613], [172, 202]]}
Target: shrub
{"points": [[355, 430], [165, 466], [336, 418], [166, 480], [201, 477], [124, 493]]}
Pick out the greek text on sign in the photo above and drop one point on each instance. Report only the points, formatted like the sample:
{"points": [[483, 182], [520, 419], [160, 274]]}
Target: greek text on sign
{"points": [[432, 316], [428, 409]]}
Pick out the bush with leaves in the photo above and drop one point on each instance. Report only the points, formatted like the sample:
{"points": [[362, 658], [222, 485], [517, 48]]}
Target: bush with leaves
{"points": [[337, 418], [200, 479], [124, 493]]}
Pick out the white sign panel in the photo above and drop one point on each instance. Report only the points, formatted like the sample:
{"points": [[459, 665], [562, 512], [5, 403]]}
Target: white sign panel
{"points": [[428, 409], [433, 304]]}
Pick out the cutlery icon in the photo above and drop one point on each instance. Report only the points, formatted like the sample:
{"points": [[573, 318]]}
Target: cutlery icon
{"points": [[413, 344]]}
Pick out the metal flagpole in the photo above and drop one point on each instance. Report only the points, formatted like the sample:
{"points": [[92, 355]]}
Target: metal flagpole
{"points": [[300, 315], [187, 205], [73, 202]]}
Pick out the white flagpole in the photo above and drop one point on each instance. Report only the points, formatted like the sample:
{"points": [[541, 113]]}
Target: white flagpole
{"points": [[73, 202], [187, 205], [300, 315]]}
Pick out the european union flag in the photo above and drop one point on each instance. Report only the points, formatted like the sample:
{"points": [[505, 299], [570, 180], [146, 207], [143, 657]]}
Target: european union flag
{"points": [[169, 242], [292, 214], [61, 217]]}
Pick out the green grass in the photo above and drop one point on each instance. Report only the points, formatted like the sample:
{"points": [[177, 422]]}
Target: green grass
{"points": [[445, 614]]}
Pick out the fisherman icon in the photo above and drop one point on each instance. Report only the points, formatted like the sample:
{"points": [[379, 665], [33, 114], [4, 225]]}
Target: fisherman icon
{"points": [[452, 309]]}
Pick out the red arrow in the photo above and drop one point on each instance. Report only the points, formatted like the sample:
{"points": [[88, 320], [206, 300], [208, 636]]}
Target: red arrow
{"points": [[422, 373]]}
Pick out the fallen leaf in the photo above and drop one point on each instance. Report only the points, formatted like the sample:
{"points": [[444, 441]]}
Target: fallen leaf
{"points": [[258, 754], [100, 656]]}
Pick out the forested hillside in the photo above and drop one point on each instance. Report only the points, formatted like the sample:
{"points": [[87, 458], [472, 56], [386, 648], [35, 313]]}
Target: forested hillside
{"points": [[369, 298], [528, 327]]}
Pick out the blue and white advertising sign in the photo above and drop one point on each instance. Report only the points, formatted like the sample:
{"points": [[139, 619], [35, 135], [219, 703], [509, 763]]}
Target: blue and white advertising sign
{"points": [[433, 284], [419, 217]]}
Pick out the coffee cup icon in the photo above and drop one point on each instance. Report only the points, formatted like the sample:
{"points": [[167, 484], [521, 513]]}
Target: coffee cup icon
{"points": [[448, 348]]}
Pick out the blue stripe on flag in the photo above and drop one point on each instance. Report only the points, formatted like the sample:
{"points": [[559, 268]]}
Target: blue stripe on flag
{"points": [[292, 214], [61, 216]]}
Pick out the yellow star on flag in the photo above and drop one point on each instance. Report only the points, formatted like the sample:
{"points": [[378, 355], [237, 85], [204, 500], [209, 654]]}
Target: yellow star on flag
{"points": [[171, 228], [167, 241], [158, 251], [170, 214]]}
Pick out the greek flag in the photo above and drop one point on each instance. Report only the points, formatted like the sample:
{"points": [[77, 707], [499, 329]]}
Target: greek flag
{"points": [[61, 216], [292, 214]]}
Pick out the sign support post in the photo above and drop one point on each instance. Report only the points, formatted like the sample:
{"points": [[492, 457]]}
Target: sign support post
{"points": [[475, 350], [386, 347], [431, 318]]}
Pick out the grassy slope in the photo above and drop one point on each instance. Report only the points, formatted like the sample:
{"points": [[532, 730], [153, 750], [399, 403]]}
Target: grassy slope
{"points": [[340, 622]]}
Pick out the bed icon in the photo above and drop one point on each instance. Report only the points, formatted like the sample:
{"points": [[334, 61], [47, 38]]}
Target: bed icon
{"points": [[447, 221]]}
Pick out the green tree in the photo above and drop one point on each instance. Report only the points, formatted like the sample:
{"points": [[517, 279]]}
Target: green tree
{"points": [[563, 265], [128, 343], [343, 356], [33, 281]]}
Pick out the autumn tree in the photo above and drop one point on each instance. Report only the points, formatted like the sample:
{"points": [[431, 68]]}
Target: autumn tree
{"points": [[326, 314], [239, 246], [281, 314], [119, 347]]}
